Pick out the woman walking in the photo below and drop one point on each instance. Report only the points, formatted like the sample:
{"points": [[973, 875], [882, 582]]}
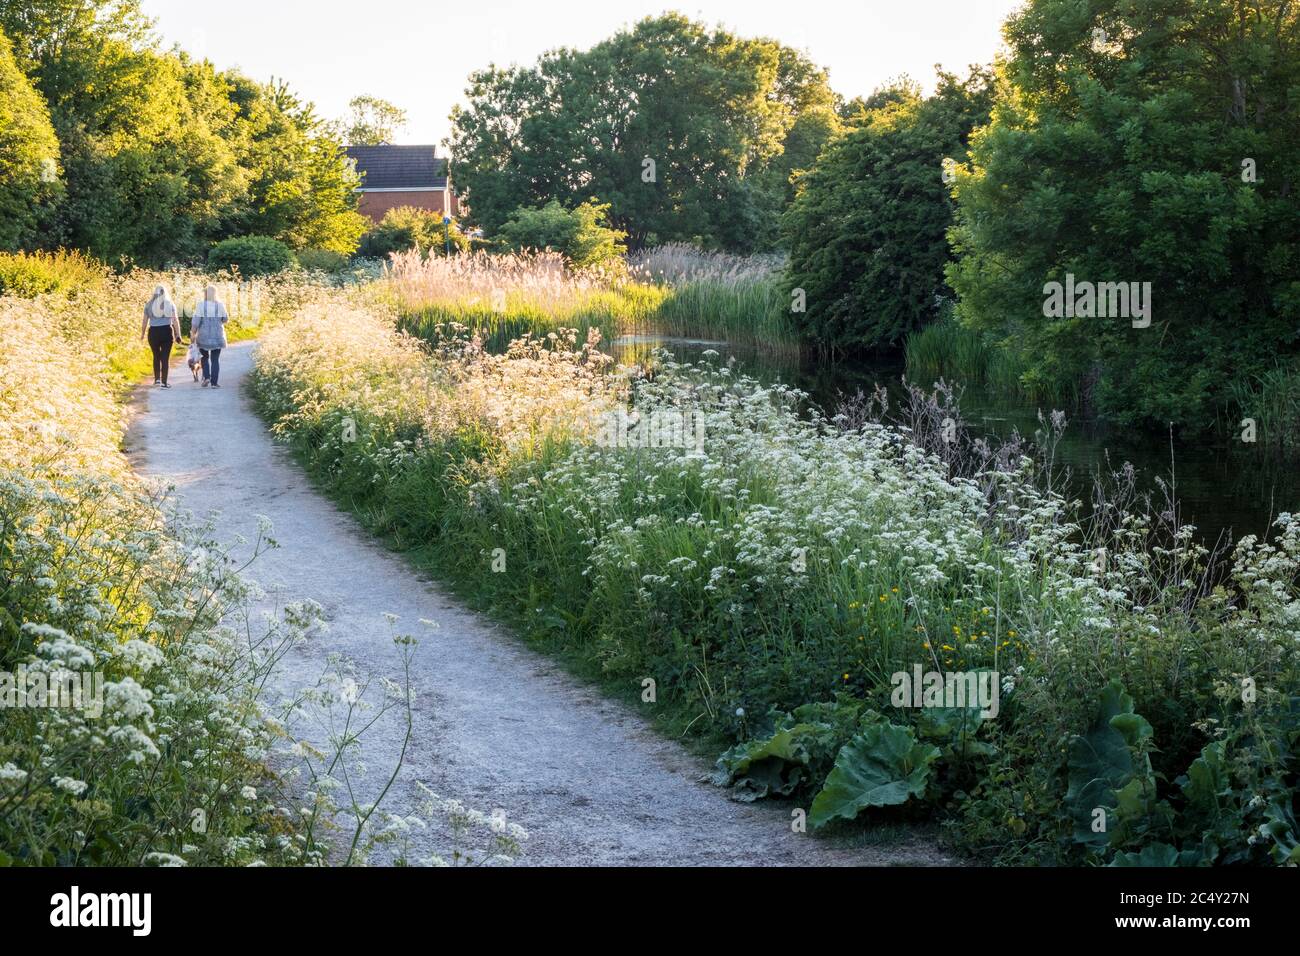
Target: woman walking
{"points": [[163, 329], [208, 329]]}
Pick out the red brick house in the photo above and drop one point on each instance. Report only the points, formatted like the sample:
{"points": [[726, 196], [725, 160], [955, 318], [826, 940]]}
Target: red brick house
{"points": [[393, 176]]}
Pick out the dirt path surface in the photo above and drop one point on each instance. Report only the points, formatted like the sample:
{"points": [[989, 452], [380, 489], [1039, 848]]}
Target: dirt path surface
{"points": [[496, 724]]}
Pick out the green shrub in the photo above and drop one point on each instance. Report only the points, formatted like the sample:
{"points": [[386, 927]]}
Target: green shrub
{"points": [[322, 260], [27, 275], [579, 234], [251, 256], [406, 228]]}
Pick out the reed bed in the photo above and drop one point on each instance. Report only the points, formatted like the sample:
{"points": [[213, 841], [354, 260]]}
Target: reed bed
{"points": [[716, 295], [948, 350], [1271, 401], [676, 292], [501, 297]]}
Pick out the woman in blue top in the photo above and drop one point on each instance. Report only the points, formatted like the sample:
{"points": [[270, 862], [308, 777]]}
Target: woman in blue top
{"points": [[163, 329], [208, 329]]}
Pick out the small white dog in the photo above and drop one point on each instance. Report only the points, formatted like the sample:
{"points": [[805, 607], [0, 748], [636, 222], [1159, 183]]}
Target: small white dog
{"points": [[195, 361]]}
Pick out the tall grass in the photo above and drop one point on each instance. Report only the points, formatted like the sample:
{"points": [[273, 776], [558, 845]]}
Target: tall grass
{"points": [[1272, 400], [948, 350], [674, 291], [715, 295], [751, 312], [676, 263], [29, 274], [505, 296]]}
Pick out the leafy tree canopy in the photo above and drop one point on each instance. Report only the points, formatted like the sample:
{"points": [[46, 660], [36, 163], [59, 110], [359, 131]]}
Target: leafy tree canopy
{"points": [[867, 232], [161, 156], [682, 130], [1140, 142], [374, 122], [29, 154]]}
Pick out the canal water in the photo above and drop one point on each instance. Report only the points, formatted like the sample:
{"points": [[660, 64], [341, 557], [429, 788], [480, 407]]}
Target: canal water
{"points": [[1225, 488]]}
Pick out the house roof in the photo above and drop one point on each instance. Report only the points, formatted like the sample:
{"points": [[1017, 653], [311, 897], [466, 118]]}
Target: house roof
{"points": [[399, 167]]}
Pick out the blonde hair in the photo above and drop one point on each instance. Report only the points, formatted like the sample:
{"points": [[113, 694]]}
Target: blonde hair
{"points": [[158, 305]]}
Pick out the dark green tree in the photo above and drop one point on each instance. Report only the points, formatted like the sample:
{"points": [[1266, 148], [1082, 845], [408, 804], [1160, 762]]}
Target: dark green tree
{"points": [[867, 231], [1140, 142], [670, 123]]}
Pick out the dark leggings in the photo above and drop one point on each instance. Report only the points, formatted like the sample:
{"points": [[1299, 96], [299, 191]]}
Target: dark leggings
{"points": [[211, 364], [160, 340]]}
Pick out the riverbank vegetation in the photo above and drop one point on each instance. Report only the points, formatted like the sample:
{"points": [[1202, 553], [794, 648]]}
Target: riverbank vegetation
{"points": [[767, 582], [161, 756], [1104, 159], [674, 290], [145, 722]]}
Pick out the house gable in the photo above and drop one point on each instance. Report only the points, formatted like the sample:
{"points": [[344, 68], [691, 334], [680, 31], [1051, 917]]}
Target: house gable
{"points": [[394, 176]]}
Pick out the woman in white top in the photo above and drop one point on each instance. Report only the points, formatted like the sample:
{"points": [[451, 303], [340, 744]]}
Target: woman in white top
{"points": [[163, 329], [208, 330]]}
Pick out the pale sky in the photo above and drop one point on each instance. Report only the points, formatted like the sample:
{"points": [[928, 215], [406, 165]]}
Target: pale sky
{"points": [[418, 53]]}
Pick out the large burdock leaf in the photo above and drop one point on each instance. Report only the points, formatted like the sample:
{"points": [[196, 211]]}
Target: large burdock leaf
{"points": [[883, 766], [1207, 784], [762, 768], [1282, 828], [1101, 765]]}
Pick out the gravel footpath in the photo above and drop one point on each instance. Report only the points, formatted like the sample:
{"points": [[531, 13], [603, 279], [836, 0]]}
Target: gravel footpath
{"points": [[496, 724]]}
